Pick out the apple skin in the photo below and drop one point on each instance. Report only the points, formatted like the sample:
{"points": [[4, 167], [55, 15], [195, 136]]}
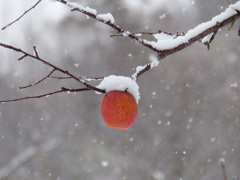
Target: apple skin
{"points": [[119, 109]]}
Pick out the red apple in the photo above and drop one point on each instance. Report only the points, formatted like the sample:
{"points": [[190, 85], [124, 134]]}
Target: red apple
{"points": [[119, 109]]}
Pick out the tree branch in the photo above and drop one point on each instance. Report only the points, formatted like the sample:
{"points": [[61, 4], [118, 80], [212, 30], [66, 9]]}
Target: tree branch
{"points": [[93, 14], [51, 65], [63, 89], [179, 41], [30, 85], [164, 48], [196, 34], [203, 30], [21, 15], [152, 33], [222, 164], [80, 77]]}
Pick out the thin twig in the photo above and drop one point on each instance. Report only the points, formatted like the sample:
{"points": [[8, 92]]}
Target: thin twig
{"points": [[34, 84], [63, 89], [161, 53], [152, 33], [207, 43], [32, 97], [222, 164], [51, 65], [35, 50], [212, 37], [112, 25], [21, 15], [139, 73], [80, 77], [22, 57], [228, 2], [75, 90], [214, 28]]}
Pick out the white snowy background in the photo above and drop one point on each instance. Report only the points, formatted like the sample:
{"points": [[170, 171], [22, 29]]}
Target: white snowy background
{"points": [[188, 112]]}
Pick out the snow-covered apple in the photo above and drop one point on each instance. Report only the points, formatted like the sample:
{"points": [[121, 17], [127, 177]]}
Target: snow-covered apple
{"points": [[119, 109]]}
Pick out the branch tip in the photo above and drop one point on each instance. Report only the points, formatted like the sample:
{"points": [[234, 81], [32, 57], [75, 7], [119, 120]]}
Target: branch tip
{"points": [[21, 15], [222, 164], [135, 36], [35, 51], [38, 82], [21, 58]]}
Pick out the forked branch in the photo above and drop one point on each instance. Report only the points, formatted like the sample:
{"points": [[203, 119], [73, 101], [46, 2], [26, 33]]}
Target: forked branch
{"points": [[63, 89], [93, 14], [203, 30], [65, 72], [175, 43]]}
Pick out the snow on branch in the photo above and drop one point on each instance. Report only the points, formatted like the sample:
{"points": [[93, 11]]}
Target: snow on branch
{"points": [[202, 29], [166, 44], [55, 68], [81, 80], [107, 19], [172, 45], [169, 43]]}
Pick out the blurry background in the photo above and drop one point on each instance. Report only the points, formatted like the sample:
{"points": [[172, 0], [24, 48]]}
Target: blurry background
{"points": [[188, 112]]}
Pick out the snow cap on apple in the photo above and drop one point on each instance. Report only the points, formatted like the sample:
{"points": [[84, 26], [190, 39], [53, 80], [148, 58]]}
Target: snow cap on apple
{"points": [[120, 83], [119, 105]]}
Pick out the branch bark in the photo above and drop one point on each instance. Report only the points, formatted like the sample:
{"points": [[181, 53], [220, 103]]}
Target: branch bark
{"points": [[65, 72], [164, 53], [215, 24], [180, 41], [109, 23], [21, 15], [222, 164], [38, 82]]}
